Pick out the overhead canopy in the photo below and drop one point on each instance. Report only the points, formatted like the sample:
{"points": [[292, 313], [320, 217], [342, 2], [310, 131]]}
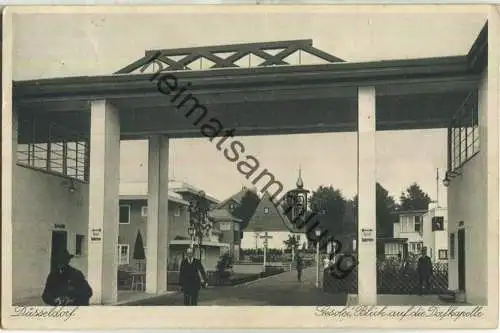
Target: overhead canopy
{"points": [[275, 99]]}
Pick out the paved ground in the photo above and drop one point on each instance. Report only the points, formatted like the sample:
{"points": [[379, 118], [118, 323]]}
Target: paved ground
{"points": [[282, 289], [402, 300]]}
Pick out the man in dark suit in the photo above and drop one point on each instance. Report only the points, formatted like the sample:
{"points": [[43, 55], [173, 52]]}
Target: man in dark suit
{"points": [[424, 268], [66, 286], [191, 277], [299, 266]]}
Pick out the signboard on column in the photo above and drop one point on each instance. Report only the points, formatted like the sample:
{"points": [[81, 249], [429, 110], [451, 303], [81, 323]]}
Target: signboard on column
{"points": [[367, 235], [96, 235]]}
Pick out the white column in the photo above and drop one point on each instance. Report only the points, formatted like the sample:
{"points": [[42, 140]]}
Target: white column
{"points": [[157, 225], [104, 180], [491, 144], [367, 283], [9, 153]]}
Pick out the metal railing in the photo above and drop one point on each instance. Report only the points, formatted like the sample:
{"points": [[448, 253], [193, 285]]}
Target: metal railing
{"points": [[69, 158], [463, 133]]}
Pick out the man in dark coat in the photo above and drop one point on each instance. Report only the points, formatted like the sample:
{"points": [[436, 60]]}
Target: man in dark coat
{"points": [[66, 285], [424, 268], [299, 266], [191, 277]]}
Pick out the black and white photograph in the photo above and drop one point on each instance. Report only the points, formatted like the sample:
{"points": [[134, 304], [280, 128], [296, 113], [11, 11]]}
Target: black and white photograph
{"points": [[250, 166]]}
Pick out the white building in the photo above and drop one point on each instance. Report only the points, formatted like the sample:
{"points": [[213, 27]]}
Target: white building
{"points": [[435, 233], [417, 229], [409, 226]]}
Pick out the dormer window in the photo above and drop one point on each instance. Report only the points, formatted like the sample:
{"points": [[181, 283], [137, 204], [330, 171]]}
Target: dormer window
{"points": [[266, 210], [231, 207]]}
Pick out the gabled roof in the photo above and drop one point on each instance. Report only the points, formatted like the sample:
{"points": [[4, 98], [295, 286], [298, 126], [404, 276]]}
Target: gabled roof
{"points": [[274, 220], [237, 197]]}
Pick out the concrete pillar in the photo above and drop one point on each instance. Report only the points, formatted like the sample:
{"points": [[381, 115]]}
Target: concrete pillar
{"points": [[157, 224], [9, 151], [491, 146], [104, 180], [367, 178]]}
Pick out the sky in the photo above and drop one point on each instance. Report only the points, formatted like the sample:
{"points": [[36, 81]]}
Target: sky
{"points": [[403, 157], [97, 43]]}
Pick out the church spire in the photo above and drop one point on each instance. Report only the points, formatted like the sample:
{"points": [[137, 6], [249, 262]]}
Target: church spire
{"points": [[300, 183]]}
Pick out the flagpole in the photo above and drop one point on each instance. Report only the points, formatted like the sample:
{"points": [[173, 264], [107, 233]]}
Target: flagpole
{"points": [[437, 187]]}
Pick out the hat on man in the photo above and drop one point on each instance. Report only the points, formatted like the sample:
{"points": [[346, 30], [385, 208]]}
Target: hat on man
{"points": [[63, 256]]}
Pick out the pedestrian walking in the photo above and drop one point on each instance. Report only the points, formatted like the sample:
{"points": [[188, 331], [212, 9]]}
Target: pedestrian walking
{"points": [[424, 268], [191, 278], [299, 265], [66, 285]]}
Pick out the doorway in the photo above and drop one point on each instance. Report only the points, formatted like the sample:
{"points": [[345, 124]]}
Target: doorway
{"points": [[461, 259], [59, 242]]}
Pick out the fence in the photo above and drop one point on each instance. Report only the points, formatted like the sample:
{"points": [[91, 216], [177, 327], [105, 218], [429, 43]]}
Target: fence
{"points": [[391, 279]]}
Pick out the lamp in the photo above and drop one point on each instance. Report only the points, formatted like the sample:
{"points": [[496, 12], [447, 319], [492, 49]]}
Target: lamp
{"points": [[72, 187], [450, 174], [317, 233], [446, 182], [70, 183]]}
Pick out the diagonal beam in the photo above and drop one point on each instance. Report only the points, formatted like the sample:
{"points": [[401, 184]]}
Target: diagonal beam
{"points": [[280, 56], [321, 54], [148, 58]]}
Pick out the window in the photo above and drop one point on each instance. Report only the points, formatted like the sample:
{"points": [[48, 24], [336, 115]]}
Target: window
{"points": [[443, 254], [123, 254], [418, 223], [266, 210], [437, 223], [144, 211], [415, 247], [69, 158], [124, 214], [463, 133], [231, 207], [225, 226], [407, 224], [236, 227], [177, 210], [452, 246], [392, 249], [79, 245]]}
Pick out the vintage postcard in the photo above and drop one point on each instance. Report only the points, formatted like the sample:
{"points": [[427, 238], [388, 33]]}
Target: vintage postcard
{"points": [[251, 166]]}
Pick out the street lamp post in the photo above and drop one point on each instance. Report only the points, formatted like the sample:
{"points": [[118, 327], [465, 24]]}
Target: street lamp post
{"points": [[318, 234], [199, 224], [300, 204]]}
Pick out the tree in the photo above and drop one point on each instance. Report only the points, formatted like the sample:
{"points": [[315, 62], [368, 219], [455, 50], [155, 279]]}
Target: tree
{"points": [[350, 215], [385, 207], [414, 198], [139, 248], [292, 244], [245, 210], [330, 204]]}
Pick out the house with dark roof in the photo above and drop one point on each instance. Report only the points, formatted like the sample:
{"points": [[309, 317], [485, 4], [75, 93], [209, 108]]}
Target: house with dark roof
{"points": [[269, 218], [230, 226]]}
